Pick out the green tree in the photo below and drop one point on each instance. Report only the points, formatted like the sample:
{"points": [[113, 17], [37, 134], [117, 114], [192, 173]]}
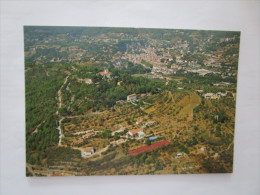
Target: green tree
{"points": [[148, 141], [116, 136]]}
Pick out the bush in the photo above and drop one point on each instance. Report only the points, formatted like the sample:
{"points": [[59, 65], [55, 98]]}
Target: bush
{"points": [[149, 160], [158, 166], [148, 141]]}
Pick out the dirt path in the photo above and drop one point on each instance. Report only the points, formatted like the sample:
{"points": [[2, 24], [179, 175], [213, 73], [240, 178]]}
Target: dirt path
{"points": [[101, 150], [59, 128], [47, 73], [45, 70], [60, 94], [61, 135], [36, 129]]}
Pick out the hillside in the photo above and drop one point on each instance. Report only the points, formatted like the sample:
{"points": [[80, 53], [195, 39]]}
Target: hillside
{"points": [[174, 112], [93, 95]]}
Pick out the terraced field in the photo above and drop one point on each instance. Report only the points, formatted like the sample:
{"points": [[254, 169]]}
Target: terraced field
{"points": [[177, 105], [175, 115], [172, 110]]}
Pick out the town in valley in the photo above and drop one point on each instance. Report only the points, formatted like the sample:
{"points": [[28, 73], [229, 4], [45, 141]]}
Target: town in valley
{"points": [[129, 101]]}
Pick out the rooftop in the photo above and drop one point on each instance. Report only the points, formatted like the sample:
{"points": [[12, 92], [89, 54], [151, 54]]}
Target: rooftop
{"points": [[79, 141], [149, 148], [135, 131], [150, 122], [88, 149], [104, 73], [88, 135]]}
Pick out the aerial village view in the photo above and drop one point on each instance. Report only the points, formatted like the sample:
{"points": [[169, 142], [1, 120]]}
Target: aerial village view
{"points": [[129, 101]]}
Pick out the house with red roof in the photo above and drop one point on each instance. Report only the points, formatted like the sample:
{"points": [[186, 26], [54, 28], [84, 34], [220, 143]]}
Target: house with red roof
{"points": [[87, 152], [80, 141], [105, 74], [139, 122], [150, 123], [88, 135], [137, 133]]}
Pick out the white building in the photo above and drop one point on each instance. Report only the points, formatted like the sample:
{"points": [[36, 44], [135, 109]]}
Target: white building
{"points": [[141, 134], [87, 152], [221, 94], [179, 155], [131, 97], [211, 96], [86, 80], [200, 91]]}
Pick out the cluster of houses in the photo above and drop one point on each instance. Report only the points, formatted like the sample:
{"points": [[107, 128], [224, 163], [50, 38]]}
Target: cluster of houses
{"points": [[137, 133], [218, 95], [201, 72], [213, 96], [222, 84], [164, 70], [105, 75], [84, 137], [226, 39], [160, 62]]}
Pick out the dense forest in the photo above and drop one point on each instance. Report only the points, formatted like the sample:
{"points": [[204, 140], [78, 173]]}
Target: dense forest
{"points": [[41, 106]]}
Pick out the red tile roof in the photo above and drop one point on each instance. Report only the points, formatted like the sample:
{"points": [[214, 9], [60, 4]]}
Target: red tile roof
{"points": [[135, 131], [151, 122], [149, 148], [89, 149], [79, 141], [88, 135], [104, 73]]}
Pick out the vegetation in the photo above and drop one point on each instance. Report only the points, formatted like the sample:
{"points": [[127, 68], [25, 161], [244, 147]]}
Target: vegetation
{"points": [[41, 121], [78, 81]]}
